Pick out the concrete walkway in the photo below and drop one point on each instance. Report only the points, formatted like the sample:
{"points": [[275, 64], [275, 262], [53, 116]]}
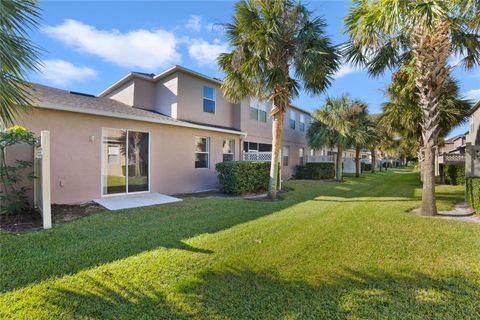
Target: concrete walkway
{"points": [[135, 201]]}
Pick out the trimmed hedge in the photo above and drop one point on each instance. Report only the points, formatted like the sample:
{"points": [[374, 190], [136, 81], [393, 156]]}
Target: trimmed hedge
{"points": [[473, 185], [454, 175], [366, 166], [315, 171], [238, 177]]}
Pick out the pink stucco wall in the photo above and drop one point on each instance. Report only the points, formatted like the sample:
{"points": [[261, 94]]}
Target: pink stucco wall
{"points": [[76, 154]]}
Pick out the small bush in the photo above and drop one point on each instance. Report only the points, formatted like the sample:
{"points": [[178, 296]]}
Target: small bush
{"points": [[473, 185], [367, 166], [315, 171], [454, 175], [238, 177]]}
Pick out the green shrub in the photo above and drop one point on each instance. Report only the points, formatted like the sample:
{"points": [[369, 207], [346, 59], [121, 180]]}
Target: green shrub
{"points": [[367, 166], [473, 185], [315, 171], [454, 175], [238, 177]]}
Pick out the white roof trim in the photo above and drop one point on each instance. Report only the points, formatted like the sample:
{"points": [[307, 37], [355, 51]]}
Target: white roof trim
{"points": [[144, 119]]}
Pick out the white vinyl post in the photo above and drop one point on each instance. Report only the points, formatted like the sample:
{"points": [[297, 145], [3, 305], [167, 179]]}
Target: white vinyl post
{"points": [[46, 201]]}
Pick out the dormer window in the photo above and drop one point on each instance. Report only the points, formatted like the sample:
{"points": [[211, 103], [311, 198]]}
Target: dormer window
{"points": [[208, 99]]}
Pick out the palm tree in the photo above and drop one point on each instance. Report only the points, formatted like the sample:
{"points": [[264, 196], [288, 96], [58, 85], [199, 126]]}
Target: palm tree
{"points": [[335, 126], [402, 114], [385, 33], [360, 131], [17, 55], [277, 47]]}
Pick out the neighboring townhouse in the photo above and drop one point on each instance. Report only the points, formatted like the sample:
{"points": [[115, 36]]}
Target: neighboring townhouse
{"points": [[473, 135], [156, 133]]}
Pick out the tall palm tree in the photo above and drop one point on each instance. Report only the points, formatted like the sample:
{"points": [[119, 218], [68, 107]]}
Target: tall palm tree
{"points": [[335, 126], [384, 33], [360, 131], [17, 55], [277, 47]]}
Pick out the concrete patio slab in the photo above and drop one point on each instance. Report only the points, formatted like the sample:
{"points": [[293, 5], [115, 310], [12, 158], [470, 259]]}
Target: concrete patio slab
{"points": [[135, 201]]}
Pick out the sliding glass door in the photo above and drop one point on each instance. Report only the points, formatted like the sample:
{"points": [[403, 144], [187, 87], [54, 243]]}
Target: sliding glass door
{"points": [[125, 161]]}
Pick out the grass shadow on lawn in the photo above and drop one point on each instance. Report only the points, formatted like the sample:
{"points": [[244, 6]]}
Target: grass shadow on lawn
{"points": [[240, 294], [101, 238], [233, 293]]}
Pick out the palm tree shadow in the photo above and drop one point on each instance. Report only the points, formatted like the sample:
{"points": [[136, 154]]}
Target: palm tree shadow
{"points": [[245, 294]]}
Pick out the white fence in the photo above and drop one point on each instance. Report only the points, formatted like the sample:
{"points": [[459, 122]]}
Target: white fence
{"points": [[472, 161], [41, 187]]}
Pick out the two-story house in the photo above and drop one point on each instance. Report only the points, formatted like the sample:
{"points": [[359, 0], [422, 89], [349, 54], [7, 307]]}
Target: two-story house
{"points": [[473, 135], [152, 133]]}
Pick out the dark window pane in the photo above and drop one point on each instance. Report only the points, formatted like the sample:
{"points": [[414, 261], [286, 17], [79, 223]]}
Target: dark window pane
{"points": [[263, 147], [253, 113], [262, 116], [208, 93], [292, 124], [302, 126], [245, 146], [137, 161], [201, 160], [208, 106], [285, 161], [115, 168], [228, 157], [253, 146]]}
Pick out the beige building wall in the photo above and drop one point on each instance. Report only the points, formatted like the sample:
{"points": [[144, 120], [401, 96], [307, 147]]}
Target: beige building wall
{"points": [[124, 93], [474, 135], [76, 145], [190, 103], [166, 95]]}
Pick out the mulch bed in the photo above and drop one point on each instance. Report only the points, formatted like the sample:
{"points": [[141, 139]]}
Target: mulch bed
{"points": [[61, 213]]}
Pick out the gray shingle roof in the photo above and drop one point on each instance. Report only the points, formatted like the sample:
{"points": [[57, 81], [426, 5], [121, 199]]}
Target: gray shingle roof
{"points": [[53, 98]]}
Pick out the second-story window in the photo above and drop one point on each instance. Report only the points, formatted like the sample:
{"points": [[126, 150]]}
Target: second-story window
{"points": [[258, 110], [292, 119], [302, 122], [208, 99], [228, 150]]}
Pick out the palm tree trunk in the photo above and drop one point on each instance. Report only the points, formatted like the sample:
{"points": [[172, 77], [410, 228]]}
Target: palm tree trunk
{"points": [[374, 159], [430, 51], [357, 162], [339, 168], [277, 128]]}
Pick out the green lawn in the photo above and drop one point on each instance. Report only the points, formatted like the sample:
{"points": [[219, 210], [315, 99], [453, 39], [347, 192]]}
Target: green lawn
{"points": [[328, 251]]}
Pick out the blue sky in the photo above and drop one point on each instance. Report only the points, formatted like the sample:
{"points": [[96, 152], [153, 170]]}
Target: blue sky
{"points": [[90, 44]]}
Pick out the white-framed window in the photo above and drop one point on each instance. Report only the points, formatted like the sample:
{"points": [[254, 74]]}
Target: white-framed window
{"points": [[202, 150], [302, 122], [285, 154], [301, 156], [208, 99], [228, 150], [292, 119], [258, 110], [312, 152]]}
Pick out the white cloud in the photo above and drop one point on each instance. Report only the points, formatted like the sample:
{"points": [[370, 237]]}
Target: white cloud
{"points": [[144, 49], [194, 23], [61, 72], [205, 52], [345, 69], [473, 95]]}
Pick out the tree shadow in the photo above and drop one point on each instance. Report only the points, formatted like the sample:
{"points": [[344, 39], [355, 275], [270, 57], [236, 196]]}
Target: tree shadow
{"points": [[245, 294], [107, 236]]}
